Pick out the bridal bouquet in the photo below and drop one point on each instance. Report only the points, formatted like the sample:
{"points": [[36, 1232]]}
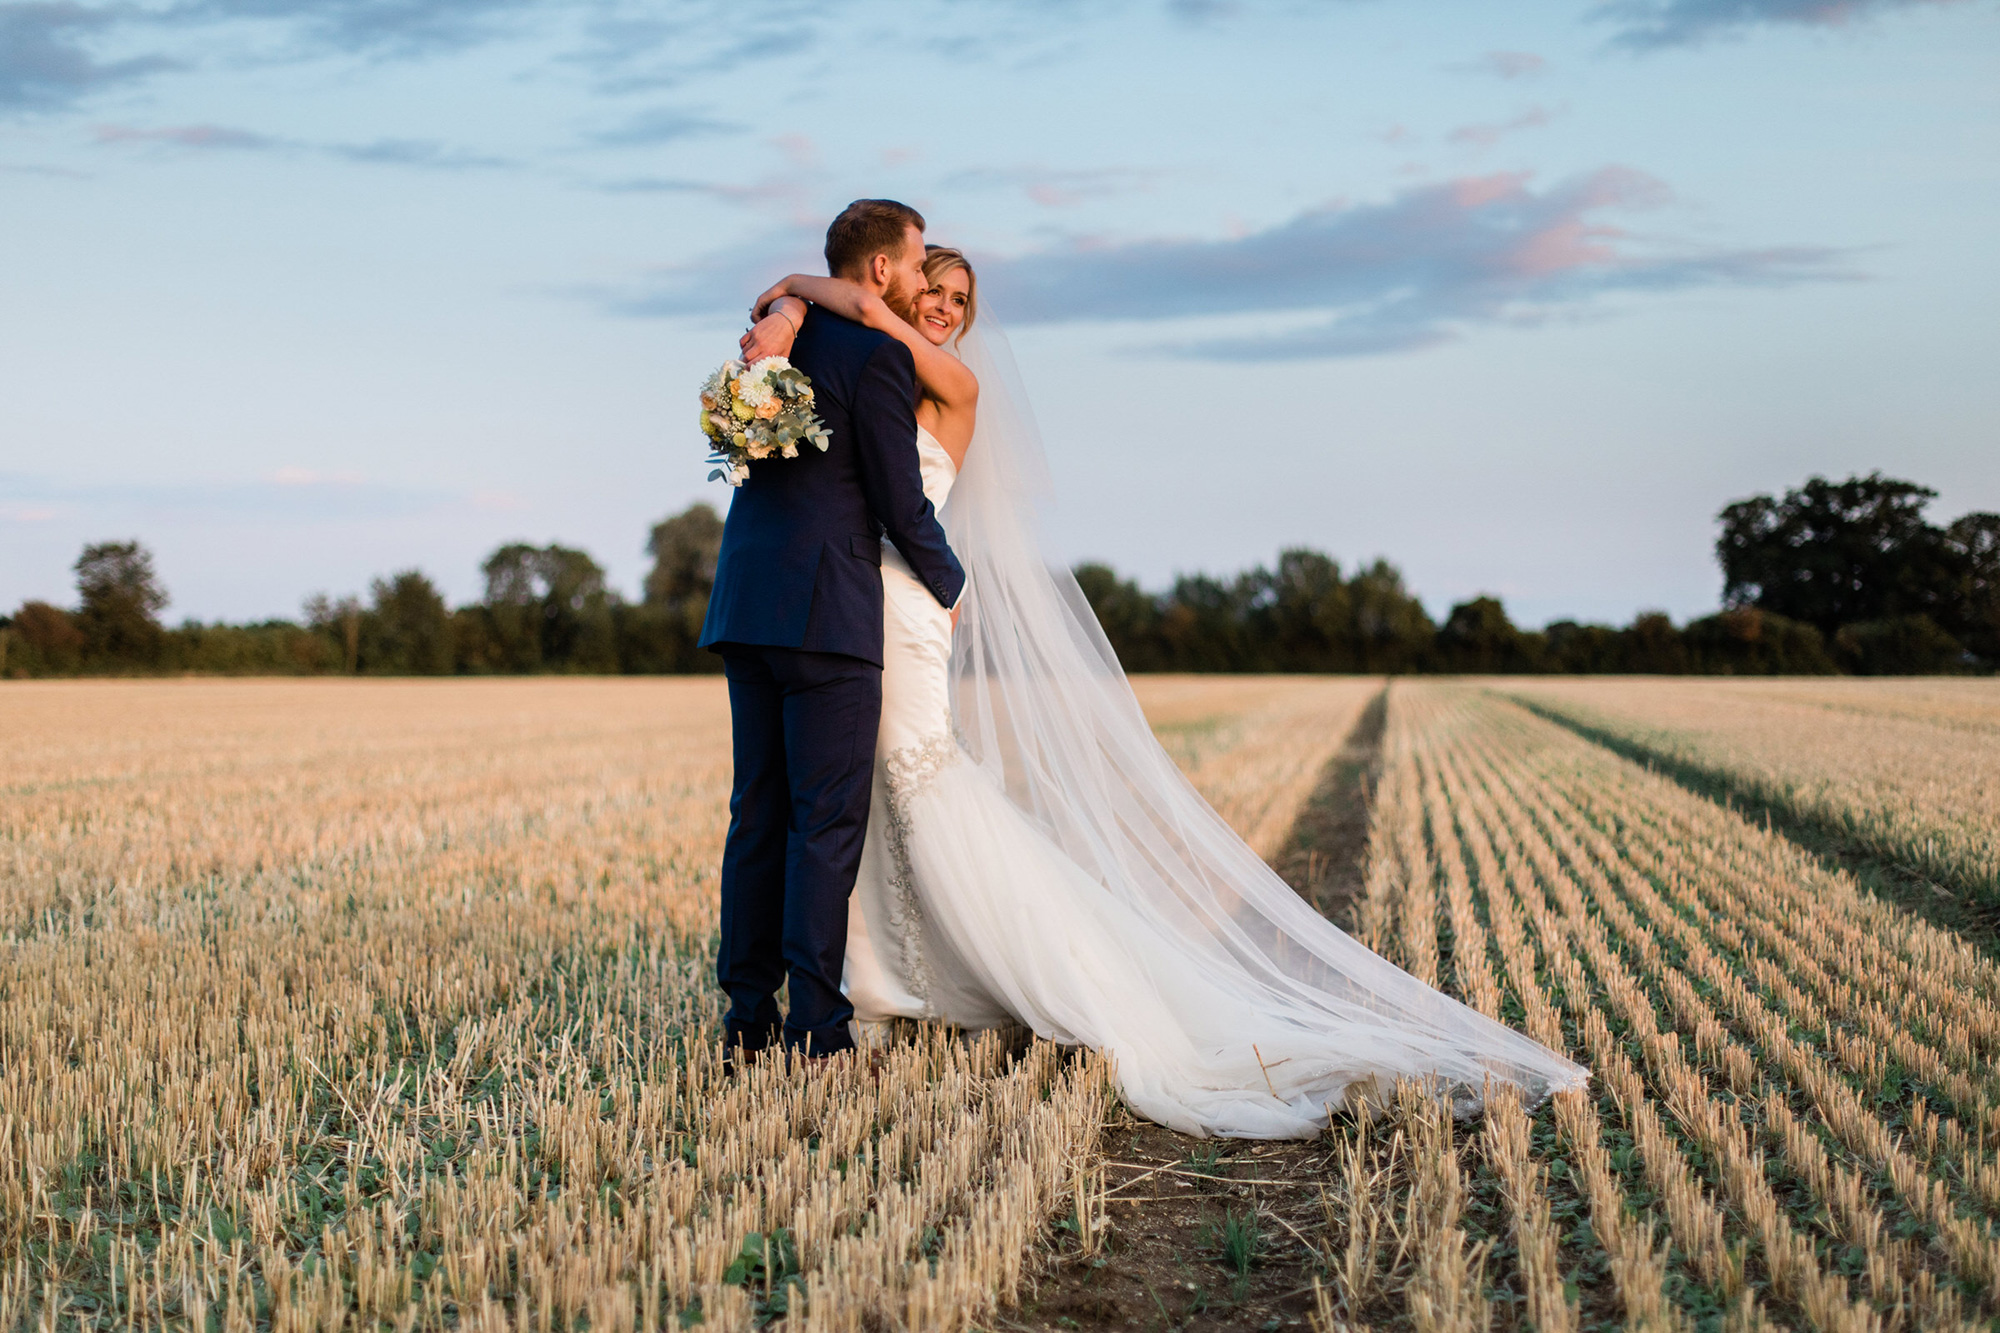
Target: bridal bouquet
{"points": [[751, 412]]}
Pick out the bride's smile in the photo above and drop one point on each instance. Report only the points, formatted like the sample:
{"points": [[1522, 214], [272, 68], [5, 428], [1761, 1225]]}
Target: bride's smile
{"points": [[941, 307]]}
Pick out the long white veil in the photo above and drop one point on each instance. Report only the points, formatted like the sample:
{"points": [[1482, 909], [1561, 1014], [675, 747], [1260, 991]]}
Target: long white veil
{"points": [[1043, 705]]}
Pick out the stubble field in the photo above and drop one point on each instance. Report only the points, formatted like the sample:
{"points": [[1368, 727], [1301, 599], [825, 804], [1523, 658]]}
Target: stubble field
{"points": [[387, 1005]]}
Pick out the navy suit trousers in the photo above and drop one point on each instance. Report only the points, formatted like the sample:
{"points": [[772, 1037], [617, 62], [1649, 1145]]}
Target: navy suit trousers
{"points": [[804, 727]]}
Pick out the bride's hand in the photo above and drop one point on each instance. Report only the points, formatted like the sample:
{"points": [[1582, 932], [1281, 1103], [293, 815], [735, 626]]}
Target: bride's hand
{"points": [[774, 294], [772, 335]]}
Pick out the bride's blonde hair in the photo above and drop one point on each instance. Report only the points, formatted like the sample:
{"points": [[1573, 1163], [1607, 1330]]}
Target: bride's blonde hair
{"points": [[942, 259]]}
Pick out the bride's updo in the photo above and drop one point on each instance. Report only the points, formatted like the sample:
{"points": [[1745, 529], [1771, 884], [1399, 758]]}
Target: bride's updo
{"points": [[942, 259]]}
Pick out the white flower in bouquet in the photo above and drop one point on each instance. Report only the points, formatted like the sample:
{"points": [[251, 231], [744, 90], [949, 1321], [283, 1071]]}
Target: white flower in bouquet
{"points": [[752, 393]]}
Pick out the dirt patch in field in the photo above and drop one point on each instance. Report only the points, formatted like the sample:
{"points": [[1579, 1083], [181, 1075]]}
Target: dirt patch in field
{"points": [[1196, 1234], [1325, 855], [1217, 1233]]}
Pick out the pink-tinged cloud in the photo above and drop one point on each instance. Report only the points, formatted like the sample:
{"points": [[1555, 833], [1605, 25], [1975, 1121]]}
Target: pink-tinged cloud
{"points": [[1417, 269], [1560, 248], [798, 150], [1473, 192], [1656, 23], [1425, 266], [183, 136]]}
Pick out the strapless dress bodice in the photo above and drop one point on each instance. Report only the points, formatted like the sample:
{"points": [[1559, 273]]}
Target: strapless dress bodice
{"points": [[939, 470]]}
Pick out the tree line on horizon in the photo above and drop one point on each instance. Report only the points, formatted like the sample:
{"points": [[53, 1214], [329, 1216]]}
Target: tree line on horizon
{"points": [[545, 609], [1831, 577]]}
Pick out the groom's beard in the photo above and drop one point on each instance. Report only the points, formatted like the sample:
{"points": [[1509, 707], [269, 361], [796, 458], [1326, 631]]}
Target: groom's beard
{"points": [[902, 300]]}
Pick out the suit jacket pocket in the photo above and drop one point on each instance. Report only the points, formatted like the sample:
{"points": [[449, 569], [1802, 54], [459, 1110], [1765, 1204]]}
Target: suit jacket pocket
{"points": [[847, 600]]}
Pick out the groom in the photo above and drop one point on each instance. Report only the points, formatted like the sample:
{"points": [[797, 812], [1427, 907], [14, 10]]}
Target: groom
{"points": [[796, 615]]}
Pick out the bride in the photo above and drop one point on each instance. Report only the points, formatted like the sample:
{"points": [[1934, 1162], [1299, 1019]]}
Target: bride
{"points": [[1034, 856]]}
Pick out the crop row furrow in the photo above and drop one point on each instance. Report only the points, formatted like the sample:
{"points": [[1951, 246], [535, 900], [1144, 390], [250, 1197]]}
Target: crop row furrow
{"points": [[1638, 1268], [1684, 1091], [1859, 1128], [1974, 1248], [1791, 1260], [1934, 1042]]}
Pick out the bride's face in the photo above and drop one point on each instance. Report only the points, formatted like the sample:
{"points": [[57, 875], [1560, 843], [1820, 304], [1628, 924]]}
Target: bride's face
{"points": [[941, 307]]}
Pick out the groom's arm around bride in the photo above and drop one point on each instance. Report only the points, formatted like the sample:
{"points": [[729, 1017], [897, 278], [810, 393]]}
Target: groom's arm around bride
{"points": [[796, 614]]}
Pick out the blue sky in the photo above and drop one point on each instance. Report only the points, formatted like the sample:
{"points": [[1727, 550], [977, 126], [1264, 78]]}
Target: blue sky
{"points": [[1517, 296]]}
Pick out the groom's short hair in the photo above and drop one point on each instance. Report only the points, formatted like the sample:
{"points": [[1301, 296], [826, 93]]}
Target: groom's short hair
{"points": [[866, 228]]}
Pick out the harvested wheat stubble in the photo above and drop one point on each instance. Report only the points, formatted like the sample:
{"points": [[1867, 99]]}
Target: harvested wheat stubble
{"points": [[1796, 1078], [1908, 769], [330, 1004], [388, 1004]]}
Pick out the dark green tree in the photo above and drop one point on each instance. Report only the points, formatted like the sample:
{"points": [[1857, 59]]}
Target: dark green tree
{"points": [[46, 641], [1129, 616], [1392, 631], [406, 630], [1302, 614], [1654, 647], [514, 606], [576, 613], [1203, 624], [1744, 641], [1583, 649], [1975, 616], [476, 648], [1478, 637], [1898, 646], [684, 548], [662, 631], [267, 648], [1838, 553], [548, 609], [120, 602], [339, 622]]}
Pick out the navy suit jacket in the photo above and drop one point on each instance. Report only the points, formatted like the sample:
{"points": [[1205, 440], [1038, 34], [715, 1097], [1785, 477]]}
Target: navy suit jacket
{"points": [[801, 549]]}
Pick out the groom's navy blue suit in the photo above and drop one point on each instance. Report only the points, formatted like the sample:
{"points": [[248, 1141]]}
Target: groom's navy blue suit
{"points": [[797, 617]]}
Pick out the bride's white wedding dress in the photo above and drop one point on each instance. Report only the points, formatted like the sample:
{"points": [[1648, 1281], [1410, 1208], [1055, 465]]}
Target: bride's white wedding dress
{"points": [[1227, 1010]]}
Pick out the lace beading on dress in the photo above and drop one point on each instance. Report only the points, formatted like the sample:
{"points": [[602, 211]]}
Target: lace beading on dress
{"points": [[910, 770]]}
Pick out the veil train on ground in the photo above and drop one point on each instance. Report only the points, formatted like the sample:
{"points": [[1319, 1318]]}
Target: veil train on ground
{"points": [[1043, 706]]}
